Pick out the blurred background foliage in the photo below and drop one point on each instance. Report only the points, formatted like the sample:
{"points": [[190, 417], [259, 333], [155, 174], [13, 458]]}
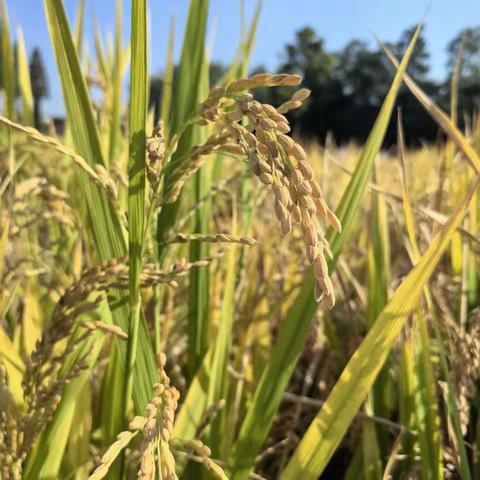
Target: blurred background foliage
{"points": [[349, 85]]}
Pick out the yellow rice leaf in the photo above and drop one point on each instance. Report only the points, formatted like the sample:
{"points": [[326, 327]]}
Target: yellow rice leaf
{"points": [[24, 80], [331, 423], [407, 204], [31, 320], [13, 364], [454, 134]]}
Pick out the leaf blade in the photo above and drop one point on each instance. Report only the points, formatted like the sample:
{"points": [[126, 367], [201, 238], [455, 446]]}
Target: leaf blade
{"points": [[331, 423]]}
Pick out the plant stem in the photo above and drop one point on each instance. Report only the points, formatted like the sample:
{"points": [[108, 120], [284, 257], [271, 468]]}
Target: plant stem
{"points": [[136, 186]]}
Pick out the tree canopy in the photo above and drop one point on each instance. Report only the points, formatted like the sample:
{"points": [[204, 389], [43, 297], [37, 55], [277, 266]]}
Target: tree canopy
{"points": [[39, 81], [349, 85]]}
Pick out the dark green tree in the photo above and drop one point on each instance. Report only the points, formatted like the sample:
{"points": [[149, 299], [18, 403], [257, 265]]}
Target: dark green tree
{"points": [[307, 57], [470, 54], [216, 72], [39, 82], [155, 96], [349, 86], [364, 74], [469, 84], [419, 64], [417, 123]]}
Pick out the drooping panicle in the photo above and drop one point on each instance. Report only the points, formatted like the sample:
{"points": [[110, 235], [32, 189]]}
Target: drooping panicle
{"points": [[278, 161]]}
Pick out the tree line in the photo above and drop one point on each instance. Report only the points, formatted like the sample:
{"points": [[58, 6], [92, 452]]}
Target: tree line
{"points": [[38, 80], [348, 86]]}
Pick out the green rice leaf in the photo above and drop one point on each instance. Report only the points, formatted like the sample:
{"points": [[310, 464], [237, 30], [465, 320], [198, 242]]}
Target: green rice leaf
{"points": [[8, 63], [106, 230], [136, 182]]}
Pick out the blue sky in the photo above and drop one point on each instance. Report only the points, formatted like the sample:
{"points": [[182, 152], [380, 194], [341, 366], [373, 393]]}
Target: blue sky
{"points": [[337, 21]]}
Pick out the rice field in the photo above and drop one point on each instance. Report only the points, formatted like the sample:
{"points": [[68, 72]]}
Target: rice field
{"points": [[209, 297]]}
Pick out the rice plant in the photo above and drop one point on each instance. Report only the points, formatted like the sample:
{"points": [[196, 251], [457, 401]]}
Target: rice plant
{"points": [[208, 296]]}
